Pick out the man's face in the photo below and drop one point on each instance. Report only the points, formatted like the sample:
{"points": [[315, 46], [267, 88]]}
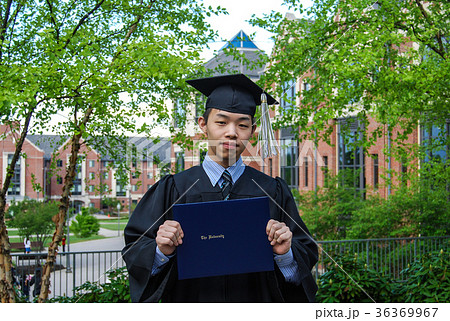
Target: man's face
{"points": [[228, 134]]}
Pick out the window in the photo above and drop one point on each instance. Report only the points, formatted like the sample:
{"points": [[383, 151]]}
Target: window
{"points": [[91, 188], [203, 155], [91, 175], [179, 113], [59, 163], [134, 188], [325, 170], [149, 186], [14, 188], [149, 175], [288, 162], [91, 163], [287, 102], [199, 106], [435, 141], [76, 188], [179, 162], [120, 190], [351, 156], [375, 170], [404, 170], [306, 164], [270, 167], [306, 86], [59, 180], [105, 175], [91, 205]]}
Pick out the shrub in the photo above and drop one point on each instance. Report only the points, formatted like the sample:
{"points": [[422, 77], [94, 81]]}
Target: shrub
{"points": [[427, 279], [85, 225], [335, 285], [116, 290]]}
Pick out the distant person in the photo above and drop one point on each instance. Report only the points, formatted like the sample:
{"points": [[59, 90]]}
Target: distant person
{"points": [[37, 281], [27, 245], [64, 244], [26, 286]]}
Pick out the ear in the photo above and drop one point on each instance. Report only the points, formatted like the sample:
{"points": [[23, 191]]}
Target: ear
{"points": [[202, 124]]}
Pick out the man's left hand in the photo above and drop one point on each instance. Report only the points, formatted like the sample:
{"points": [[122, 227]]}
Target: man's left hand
{"points": [[280, 236]]}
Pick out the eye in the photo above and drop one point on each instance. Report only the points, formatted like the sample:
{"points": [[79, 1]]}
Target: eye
{"points": [[219, 122], [243, 126]]}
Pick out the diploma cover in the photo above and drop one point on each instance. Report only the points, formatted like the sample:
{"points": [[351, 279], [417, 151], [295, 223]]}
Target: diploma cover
{"points": [[223, 237]]}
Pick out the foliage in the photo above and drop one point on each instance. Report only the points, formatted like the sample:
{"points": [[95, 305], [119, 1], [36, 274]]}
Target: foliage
{"points": [[111, 204], [85, 225], [33, 218], [384, 59], [419, 209], [105, 64], [328, 212], [335, 285], [116, 290], [427, 280]]}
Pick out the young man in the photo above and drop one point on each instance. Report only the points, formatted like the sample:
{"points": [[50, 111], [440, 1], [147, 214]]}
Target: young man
{"points": [[152, 236]]}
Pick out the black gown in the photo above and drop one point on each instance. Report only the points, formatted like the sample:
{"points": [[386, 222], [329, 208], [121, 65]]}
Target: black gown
{"points": [[155, 207]]}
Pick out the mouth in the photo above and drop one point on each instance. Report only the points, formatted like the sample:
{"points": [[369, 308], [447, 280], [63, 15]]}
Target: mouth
{"points": [[229, 145]]}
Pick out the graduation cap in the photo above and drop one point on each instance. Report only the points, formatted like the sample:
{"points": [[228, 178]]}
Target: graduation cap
{"points": [[232, 93], [239, 94]]}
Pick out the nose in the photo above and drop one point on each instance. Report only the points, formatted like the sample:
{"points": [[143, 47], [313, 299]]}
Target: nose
{"points": [[231, 132]]}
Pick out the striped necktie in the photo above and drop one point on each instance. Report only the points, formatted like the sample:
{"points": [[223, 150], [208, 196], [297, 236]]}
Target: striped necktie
{"points": [[226, 184]]}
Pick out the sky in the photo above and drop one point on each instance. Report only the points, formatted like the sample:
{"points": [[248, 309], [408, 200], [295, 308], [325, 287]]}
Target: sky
{"points": [[240, 11]]}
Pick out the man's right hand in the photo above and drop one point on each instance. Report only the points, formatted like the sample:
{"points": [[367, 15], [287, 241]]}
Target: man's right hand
{"points": [[169, 236]]}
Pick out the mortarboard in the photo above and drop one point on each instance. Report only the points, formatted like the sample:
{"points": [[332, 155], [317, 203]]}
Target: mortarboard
{"points": [[239, 94], [232, 93]]}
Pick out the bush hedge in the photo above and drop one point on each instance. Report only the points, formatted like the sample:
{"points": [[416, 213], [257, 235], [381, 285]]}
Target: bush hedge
{"points": [[348, 280]]}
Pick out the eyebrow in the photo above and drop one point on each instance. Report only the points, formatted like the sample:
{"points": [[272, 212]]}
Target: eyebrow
{"points": [[228, 117]]}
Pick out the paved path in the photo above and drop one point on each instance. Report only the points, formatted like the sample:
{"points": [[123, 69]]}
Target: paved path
{"points": [[111, 243]]}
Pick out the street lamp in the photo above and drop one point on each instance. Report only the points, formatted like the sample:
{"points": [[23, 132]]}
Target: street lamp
{"points": [[118, 219]]}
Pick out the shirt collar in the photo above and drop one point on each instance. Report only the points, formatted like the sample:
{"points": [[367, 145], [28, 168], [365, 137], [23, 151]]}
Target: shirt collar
{"points": [[215, 171]]}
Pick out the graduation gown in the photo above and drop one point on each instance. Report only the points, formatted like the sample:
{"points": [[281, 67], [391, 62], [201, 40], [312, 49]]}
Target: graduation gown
{"points": [[155, 207]]}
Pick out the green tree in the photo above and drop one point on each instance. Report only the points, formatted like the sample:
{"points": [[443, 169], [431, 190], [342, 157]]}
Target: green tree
{"points": [[111, 204], [33, 218], [328, 212], [85, 225], [385, 59], [80, 60]]}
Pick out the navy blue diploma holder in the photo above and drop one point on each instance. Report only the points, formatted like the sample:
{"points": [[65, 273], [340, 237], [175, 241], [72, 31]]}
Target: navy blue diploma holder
{"points": [[223, 238]]}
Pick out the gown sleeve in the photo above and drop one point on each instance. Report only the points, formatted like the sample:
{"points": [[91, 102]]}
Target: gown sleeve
{"points": [[303, 246], [140, 244]]}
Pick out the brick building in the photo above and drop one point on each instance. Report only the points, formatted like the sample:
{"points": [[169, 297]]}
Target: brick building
{"points": [[44, 162]]}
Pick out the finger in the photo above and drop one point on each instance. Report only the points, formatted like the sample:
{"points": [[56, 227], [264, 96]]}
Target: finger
{"points": [[285, 237], [170, 236], [269, 225], [164, 241], [275, 227], [281, 231]]}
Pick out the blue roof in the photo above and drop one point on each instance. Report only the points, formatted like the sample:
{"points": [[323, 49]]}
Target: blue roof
{"points": [[240, 40]]}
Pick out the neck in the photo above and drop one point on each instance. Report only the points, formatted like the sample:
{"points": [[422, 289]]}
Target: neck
{"points": [[224, 162]]}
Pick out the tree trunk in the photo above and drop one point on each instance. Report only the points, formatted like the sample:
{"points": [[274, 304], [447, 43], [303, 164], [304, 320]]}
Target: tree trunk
{"points": [[60, 218], [7, 293]]}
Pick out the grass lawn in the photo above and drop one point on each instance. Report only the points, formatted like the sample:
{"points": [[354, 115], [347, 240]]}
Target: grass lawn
{"points": [[13, 233]]}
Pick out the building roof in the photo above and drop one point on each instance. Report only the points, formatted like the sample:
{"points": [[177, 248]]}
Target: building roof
{"points": [[225, 63], [145, 146]]}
